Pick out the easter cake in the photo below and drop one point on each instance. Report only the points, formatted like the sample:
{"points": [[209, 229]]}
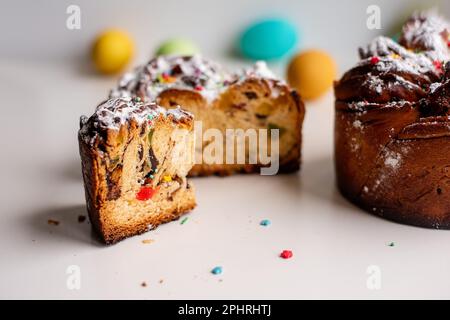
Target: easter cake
{"points": [[219, 99], [392, 126], [135, 158]]}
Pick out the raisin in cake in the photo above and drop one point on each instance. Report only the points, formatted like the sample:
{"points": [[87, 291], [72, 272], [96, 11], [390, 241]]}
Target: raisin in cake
{"points": [[135, 158], [251, 99], [392, 127]]}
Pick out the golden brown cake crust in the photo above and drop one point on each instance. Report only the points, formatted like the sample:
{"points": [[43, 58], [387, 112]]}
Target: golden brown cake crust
{"points": [[392, 128]]}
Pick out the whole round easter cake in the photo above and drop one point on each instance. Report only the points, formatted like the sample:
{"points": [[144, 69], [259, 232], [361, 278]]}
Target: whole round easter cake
{"points": [[392, 126]]}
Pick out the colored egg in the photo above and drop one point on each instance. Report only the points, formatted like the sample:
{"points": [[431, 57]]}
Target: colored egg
{"points": [[112, 51], [268, 39], [177, 46], [312, 73]]}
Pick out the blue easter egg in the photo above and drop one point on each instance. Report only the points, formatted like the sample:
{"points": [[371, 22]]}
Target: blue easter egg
{"points": [[268, 39]]}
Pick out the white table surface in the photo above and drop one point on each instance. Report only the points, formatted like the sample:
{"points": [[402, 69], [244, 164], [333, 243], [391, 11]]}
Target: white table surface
{"points": [[333, 242]]}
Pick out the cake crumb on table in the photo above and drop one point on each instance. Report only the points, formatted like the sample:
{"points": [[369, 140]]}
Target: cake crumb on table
{"points": [[81, 218], [53, 222], [147, 241]]}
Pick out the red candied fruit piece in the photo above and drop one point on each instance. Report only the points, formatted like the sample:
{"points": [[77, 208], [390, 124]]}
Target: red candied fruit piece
{"points": [[198, 88], [438, 65], [145, 193], [374, 60]]}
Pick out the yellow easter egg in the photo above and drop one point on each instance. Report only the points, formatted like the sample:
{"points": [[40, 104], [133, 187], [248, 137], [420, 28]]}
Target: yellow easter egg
{"points": [[112, 50], [312, 73]]}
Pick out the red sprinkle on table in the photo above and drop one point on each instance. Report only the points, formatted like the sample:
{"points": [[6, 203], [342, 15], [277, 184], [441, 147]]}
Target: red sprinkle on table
{"points": [[448, 43], [374, 60], [286, 254], [145, 193]]}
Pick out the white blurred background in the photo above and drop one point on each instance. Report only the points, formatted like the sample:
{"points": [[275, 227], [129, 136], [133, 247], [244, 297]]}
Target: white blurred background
{"points": [[36, 30]]}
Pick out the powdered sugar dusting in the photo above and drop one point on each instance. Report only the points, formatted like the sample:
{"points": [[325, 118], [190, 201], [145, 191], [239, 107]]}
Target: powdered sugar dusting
{"points": [[174, 72], [410, 69], [393, 57], [115, 112], [357, 124], [178, 113], [374, 83], [429, 32], [362, 106], [435, 86], [259, 70], [392, 160], [184, 73]]}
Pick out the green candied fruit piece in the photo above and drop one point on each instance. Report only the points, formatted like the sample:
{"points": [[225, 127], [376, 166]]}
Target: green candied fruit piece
{"points": [[114, 161], [150, 136], [271, 126]]}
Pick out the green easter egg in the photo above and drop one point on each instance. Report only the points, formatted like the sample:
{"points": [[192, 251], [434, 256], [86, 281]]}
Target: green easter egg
{"points": [[177, 46]]}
